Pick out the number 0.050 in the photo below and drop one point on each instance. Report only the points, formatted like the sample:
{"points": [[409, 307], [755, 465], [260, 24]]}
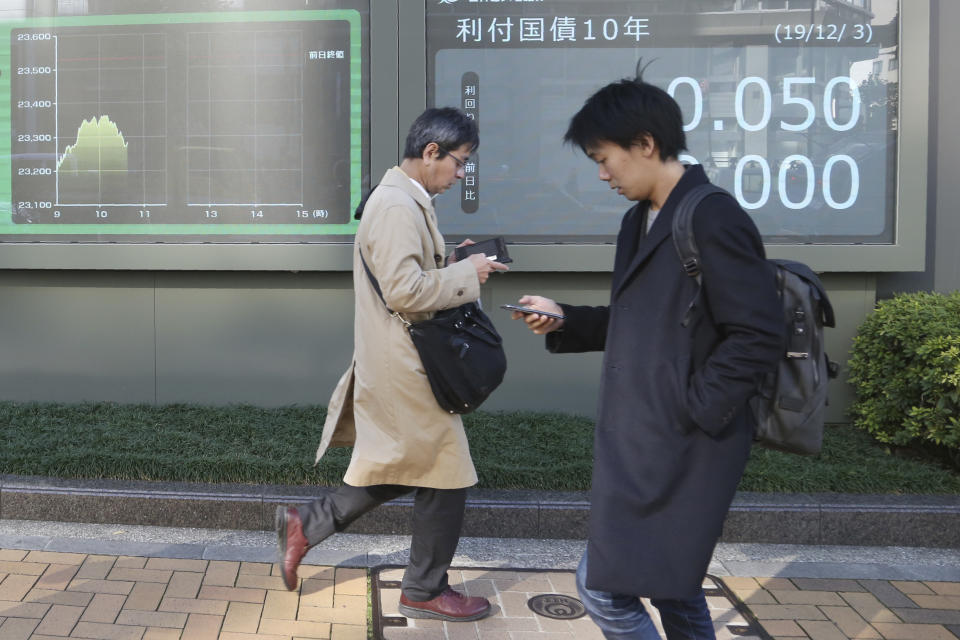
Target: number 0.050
{"points": [[790, 87]]}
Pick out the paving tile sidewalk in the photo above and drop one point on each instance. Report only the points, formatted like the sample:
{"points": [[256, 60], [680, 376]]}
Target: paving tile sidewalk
{"points": [[46, 595], [75, 580], [834, 609], [513, 619]]}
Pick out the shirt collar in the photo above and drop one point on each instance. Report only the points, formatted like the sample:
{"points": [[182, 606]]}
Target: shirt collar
{"points": [[419, 186]]}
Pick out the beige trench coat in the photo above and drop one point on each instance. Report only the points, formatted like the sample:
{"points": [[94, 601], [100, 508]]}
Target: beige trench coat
{"points": [[383, 404]]}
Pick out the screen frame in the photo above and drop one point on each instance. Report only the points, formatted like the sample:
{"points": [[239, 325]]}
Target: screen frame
{"points": [[262, 255], [905, 253], [398, 70]]}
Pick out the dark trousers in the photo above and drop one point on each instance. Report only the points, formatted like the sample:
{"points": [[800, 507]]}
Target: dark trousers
{"points": [[437, 520]]}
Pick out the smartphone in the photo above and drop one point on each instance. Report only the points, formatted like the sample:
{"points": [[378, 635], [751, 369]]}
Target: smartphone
{"points": [[513, 307]]}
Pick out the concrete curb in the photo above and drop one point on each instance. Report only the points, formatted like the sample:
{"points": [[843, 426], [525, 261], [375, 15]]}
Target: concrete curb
{"points": [[807, 519]]}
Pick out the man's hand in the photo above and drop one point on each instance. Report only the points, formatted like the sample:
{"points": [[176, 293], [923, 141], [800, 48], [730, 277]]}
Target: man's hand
{"points": [[485, 266], [453, 254], [535, 322]]}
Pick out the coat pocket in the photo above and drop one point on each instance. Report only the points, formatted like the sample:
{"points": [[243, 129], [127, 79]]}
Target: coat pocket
{"points": [[679, 374]]}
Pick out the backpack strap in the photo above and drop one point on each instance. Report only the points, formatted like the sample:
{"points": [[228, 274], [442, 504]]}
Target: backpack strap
{"points": [[684, 241], [827, 316]]}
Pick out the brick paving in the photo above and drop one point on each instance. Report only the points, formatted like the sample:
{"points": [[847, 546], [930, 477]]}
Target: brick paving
{"points": [[830, 609], [46, 595], [512, 619]]}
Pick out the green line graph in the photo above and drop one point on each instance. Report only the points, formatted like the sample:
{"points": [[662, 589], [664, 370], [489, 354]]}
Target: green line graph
{"points": [[100, 147], [94, 168], [200, 124]]}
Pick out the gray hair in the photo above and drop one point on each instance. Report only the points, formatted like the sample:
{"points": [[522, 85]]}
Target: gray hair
{"points": [[448, 127]]}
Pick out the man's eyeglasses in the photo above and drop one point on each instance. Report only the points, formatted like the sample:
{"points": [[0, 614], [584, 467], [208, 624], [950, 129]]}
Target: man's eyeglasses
{"points": [[460, 163]]}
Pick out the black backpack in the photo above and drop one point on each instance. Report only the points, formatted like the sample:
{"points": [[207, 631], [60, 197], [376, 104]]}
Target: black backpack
{"points": [[790, 404]]}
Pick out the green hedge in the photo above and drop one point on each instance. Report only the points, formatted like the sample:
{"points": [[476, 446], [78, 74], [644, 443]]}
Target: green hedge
{"points": [[905, 368]]}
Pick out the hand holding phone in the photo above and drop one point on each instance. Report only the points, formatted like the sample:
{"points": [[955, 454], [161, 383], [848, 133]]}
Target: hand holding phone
{"points": [[526, 310], [533, 310]]}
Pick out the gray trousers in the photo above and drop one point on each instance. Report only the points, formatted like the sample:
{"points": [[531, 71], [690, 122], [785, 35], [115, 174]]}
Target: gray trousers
{"points": [[437, 520]]}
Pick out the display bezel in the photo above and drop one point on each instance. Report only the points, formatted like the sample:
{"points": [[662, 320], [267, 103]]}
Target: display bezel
{"points": [[905, 252], [271, 251], [398, 94]]}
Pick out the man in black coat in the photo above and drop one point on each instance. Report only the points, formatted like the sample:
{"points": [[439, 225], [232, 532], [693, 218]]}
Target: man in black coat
{"points": [[673, 430]]}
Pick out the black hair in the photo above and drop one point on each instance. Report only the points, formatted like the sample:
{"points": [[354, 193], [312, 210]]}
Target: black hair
{"points": [[448, 127], [624, 112]]}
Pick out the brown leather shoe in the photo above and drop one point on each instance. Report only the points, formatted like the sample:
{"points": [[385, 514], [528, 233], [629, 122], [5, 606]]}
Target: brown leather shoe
{"points": [[291, 542], [450, 605]]}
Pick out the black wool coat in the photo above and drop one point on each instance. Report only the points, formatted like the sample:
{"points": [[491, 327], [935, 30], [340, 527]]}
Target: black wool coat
{"points": [[673, 432]]}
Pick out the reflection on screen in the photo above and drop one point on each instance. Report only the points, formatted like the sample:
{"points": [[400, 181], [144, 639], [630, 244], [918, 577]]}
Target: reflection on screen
{"points": [[152, 127], [792, 109]]}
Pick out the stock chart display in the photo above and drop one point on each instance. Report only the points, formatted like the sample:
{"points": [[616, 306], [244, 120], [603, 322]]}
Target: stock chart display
{"points": [[792, 106], [215, 126]]}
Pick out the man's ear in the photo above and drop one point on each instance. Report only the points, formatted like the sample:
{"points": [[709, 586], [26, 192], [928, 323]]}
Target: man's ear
{"points": [[647, 145], [430, 152]]}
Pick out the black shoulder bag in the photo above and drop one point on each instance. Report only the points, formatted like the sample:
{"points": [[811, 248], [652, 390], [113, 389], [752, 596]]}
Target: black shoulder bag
{"points": [[461, 352]]}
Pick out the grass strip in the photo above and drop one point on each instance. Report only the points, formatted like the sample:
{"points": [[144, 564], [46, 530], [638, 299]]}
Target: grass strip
{"points": [[511, 450]]}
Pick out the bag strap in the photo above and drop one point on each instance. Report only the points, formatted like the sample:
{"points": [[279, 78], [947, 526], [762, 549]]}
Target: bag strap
{"points": [[358, 212], [376, 287], [683, 238], [827, 317], [684, 241]]}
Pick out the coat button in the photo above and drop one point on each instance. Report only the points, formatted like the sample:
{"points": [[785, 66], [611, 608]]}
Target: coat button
{"points": [[460, 292], [438, 259]]}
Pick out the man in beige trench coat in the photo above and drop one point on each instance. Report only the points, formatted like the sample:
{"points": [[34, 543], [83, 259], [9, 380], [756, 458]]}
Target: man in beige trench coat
{"points": [[383, 406]]}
